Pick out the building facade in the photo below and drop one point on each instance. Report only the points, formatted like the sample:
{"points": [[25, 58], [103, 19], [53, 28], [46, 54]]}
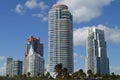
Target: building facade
{"points": [[60, 38], [34, 61], [17, 67], [13, 67], [97, 59]]}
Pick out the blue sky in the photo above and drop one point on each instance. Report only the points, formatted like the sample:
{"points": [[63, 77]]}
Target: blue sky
{"points": [[21, 18]]}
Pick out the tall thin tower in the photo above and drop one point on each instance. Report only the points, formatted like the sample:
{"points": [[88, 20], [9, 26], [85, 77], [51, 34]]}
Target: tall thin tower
{"points": [[60, 38], [97, 59]]}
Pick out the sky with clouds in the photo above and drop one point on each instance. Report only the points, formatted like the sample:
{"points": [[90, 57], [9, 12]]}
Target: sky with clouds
{"points": [[21, 18]]}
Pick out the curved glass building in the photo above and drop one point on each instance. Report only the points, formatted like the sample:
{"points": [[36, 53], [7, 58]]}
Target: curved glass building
{"points": [[97, 59], [60, 38]]}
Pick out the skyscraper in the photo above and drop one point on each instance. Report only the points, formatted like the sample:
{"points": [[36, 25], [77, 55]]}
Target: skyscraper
{"points": [[60, 38], [97, 59], [9, 66], [17, 67], [34, 62], [13, 67]]}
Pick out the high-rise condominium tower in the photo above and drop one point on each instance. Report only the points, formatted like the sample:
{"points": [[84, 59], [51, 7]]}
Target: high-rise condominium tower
{"points": [[13, 67], [34, 62], [97, 60], [60, 38]]}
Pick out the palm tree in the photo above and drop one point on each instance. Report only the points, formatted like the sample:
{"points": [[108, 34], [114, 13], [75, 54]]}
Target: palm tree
{"points": [[105, 77], [38, 74], [113, 76], [62, 73], [7, 75], [28, 74], [90, 74], [81, 74], [58, 68], [47, 75], [24, 76], [75, 75], [97, 75], [65, 74]]}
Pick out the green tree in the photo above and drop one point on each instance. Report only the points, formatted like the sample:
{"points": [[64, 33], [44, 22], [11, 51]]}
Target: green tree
{"points": [[24, 75], [90, 74], [58, 68], [74, 75], [47, 75], [28, 74], [38, 74], [113, 76], [65, 74], [81, 74], [7, 75], [104, 76], [61, 73], [97, 75]]}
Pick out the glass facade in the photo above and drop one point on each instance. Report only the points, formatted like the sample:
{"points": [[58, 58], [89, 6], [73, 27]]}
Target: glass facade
{"points": [[60, 38], [97, 60], [17, 67], [13, 67]]}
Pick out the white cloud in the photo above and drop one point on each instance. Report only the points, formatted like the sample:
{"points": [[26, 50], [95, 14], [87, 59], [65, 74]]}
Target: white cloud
{"points": [[3, 69], [41, 16], [80, 36], [42, 6], [115, 69], [112, 34], [19, 9], [78, 57], [32, 4], [2, 57], [85, 10]]}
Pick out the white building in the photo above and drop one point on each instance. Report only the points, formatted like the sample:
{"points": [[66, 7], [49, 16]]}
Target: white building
{"points": [[60, 38], [13, 67], [34, 62], [97, 59]]}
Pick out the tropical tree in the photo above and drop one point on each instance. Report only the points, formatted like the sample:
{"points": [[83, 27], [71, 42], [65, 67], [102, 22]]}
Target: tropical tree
{"points": [[81, 74], [97, 75], [58, 68], [28, 74], [38, 74], [106, 77], [113, 76], [90, 74], [24, 75], [65, 74], [61, 73], [74, 75], [47, 75]]}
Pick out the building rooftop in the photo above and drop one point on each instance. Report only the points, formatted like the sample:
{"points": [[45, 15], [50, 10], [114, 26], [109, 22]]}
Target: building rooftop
{"points": [[59, 6]]}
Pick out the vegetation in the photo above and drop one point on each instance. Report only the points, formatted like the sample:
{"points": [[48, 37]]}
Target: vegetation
{"points": [[63, 74]]}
